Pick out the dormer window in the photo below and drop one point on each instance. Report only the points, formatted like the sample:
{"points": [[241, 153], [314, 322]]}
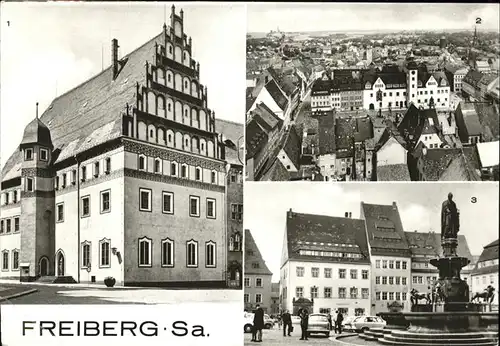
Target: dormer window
{"points": [[96, 169], [44, 154], [28, 154], [108, 165]]}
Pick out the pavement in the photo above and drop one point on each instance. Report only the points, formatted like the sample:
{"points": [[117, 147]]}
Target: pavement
{"points": [[272, 337], [36, 293]]}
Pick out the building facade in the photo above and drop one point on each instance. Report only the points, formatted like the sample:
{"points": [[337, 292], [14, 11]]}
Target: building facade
{"points": [[486, 271], [133, 185]]}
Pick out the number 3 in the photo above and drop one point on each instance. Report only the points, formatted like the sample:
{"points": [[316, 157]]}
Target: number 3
{"points": [[473, 200]]}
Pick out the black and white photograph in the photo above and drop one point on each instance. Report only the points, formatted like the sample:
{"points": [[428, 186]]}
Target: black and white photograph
{"points": [[121, 153], [371, 264], [372, 92]]}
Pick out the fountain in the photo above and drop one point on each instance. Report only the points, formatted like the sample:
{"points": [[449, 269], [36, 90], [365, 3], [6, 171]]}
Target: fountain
{"points": [[448, 318]]}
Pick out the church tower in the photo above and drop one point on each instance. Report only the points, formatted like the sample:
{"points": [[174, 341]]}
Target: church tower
{"points": [[37, 202], [411, 81]]}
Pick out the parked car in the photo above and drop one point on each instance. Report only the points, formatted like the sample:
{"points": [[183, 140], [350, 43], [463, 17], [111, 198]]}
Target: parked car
{"points": [[368, 322], [318, 324], [347, 323], [248, 322], [295, 320], [268, 322]]}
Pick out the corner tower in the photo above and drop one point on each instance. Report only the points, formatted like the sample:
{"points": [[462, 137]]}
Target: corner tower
{"points": [[37, 202], [411, 81]]}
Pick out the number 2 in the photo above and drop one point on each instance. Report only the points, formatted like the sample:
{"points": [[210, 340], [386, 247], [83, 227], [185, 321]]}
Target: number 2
{"points": [[478, 20]]}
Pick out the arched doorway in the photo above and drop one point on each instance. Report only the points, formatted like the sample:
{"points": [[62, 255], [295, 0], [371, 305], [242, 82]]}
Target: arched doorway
{"points": [[372, 106], [43, 266], [60, 263]]}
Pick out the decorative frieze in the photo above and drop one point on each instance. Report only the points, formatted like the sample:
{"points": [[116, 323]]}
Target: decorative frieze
{"points": [[37, 172], [37, 193], [91, 182]]}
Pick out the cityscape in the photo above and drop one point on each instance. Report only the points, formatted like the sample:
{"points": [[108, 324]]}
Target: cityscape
{"points": [[379, 105]]}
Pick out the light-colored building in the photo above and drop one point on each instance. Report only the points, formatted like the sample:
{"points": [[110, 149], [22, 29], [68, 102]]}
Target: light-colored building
{"points": [[128, 183], [486, 271], [325, 264], [257, 281], [390, 257]]}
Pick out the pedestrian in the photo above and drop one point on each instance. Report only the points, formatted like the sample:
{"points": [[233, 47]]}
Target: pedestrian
{"points": [[304, 323], [329, 316], [258, 323], [280, 321], [287, 323], [340, 318]]}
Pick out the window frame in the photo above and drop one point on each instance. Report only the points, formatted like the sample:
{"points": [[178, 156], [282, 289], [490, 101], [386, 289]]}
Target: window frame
{"points": [[196, 257], [5, 266], [46, 151], [150, 199], [214, 254], [186, 168], [172, 253], [82, 247], [145, 168], [101, 242], [14, 251], [149, 241], [171, 194], [58, 220], [32, 180], [26, 151], [107, 165], [82, 215], [101, 202], [198, 174], [261, 282], [158, 162], [97, 168], [176, 165], [197, 198], [214, 209]]}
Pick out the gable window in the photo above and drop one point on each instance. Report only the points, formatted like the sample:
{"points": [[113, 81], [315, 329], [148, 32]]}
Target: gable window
{"points": [[5, 260], [96, 169], [142, 163], [108, 165], [214, 177], [198, 174], [15, 259], [167, 253], [86, 254], [44, 154], [192, 253], [105, 201], [173, 169], [168, 202], [60, 212], [85, 206], [211, 208], [210, 253], [104, 253], [194, 206], [157, 166], [28, 154], [29, 184], [145, 252], [145, 199], [184, 171]]}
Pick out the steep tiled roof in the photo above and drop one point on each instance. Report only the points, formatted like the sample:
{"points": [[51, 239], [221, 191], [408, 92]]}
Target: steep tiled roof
{"points": [[276, 94], [326, 129], [325, 233], [390, 131], [470, 118], [275, 171], [490, 252], [253, 257], [397, 172], [450, 164], [266, 117], [37, 132], [234, 132], [344, 136], [364, 129], [292, 145], [255, 139], [473, 77], [385, 230], [429, 244], [416, 122], [90, 114]]}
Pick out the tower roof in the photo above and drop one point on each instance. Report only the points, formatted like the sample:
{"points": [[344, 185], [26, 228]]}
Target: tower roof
{"points": [[36, 132]]}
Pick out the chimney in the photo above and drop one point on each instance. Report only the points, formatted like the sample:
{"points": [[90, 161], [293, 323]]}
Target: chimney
{"points": [[114, 57], [350, 215], [424, 151], [394, 206], [346, 214], [290, 213]]}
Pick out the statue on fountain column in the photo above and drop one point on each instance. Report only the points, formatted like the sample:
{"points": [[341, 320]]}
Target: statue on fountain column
{"points": [[449, 219]]}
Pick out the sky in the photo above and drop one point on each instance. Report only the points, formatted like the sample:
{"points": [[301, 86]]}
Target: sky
{"points": [[49, 48], [370, 16], [419, 206]]}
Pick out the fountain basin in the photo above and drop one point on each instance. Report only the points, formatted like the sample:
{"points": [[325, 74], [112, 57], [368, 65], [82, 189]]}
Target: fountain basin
{"points": [[451, 322]]}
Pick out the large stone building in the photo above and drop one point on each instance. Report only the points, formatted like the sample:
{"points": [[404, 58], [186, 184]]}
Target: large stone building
{"points": [[123, 176], [485, 272], [257, 281], [325, 265]]}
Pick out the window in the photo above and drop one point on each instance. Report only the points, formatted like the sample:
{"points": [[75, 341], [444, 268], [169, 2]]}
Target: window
{"points": [[384, 280], [398, 295], [247, 282], [391, 264], [384, 264], [167, 253], [377, 295], [377, 264], [384, 295], [398, 264], [184, 171], [44, 154], [258, 282], [60, 212], [108, 165], [377, 280], [85, 206], [354, 273], [5, 260], [64, 180], [157, 166], [73, 177], [28, 154], [314, 292], [96, 169], [105, 201], [210, 254], [173, 169], [328, 292], [104, 255], [342, 273], [364, 274], [15, 259], [299, 292], [342, 292], [29, 184], [145, 252], [192, 254], [14, 196], [197, 175], [8, 223], [211, 212], [168, 202], [213, 177], [315, 272], [403, 265], [258, 298], [403, 281], [391, 295], [328, 273], [391, 280], [353, 292], [246, 298], [300, 271], [194, 206], [84, 173], [398, 280], [364, 293], [142, 163], [237, 212], [145, 199], [86, 254]]}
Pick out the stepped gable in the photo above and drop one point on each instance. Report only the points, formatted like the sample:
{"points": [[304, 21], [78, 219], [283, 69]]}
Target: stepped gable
{"points": [[90, 114], [253, 255], [325, 233], [385, 230]]}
